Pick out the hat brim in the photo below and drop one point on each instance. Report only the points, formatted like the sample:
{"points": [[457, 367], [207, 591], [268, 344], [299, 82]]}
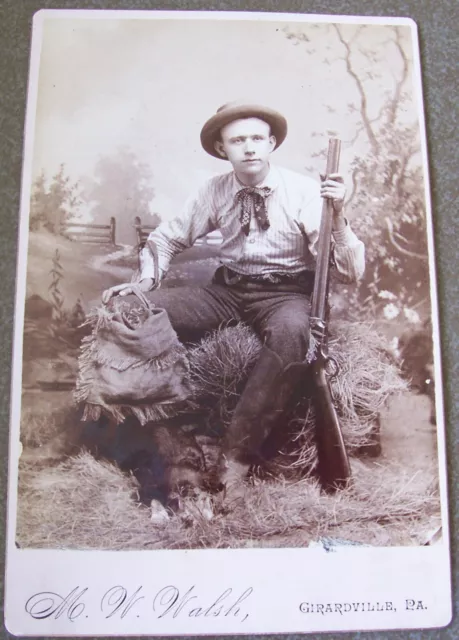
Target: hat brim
{"points": [[211, 130]]}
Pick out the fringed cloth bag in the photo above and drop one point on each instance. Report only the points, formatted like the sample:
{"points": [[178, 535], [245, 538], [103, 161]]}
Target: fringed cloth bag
{"points": [[132, 363]]}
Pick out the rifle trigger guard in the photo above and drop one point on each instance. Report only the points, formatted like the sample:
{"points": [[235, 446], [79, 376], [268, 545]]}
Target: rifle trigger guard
{"points": [[333, 372]]}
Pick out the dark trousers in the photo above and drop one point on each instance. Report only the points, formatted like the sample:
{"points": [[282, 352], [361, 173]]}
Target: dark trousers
{"points": [[278, 313]]}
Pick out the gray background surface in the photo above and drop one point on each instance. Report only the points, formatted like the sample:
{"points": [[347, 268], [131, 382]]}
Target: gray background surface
{"points": [[438, 29]]}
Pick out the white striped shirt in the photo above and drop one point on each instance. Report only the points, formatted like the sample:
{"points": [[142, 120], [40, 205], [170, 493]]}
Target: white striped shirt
{"points": [[282, 248]]}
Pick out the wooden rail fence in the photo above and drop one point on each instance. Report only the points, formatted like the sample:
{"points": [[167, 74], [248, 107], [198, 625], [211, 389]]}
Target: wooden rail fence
{"points": [[100, 233], [106, 233], [142, 230]]}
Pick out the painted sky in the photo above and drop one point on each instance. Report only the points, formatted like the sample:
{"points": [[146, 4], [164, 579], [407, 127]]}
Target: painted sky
{"points": [[150, 84]]}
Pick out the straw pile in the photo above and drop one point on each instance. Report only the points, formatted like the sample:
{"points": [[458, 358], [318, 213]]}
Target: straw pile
{"points": [[87, 504], [81, 503], [84, 503], [366, 378], [219, 367]]}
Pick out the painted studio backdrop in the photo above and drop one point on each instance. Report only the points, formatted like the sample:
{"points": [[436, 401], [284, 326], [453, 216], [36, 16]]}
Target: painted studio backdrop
{"points": [[120, 106]]}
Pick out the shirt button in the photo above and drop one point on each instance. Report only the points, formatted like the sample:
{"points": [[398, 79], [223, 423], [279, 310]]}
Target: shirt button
{"points": [[251, 240]]}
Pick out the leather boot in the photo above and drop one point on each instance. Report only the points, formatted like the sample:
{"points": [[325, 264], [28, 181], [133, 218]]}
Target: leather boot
{"points": [[247, 428], [261, 409]]}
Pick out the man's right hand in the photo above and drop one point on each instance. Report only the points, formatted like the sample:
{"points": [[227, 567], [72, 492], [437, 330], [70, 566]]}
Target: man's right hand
{"points": [[147, 284]]}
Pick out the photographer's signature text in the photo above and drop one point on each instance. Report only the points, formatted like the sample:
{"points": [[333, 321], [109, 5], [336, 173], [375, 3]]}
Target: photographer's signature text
{"points": [[168, 602]]}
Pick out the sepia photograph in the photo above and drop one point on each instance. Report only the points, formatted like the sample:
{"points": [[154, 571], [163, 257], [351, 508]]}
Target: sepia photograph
{"points": [[228, 333]]}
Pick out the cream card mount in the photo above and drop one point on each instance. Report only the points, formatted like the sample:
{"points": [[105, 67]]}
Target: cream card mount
{"points": [[116, 104]]}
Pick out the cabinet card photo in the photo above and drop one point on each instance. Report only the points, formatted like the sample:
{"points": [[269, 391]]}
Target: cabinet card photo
{"points": [[227, 412]]}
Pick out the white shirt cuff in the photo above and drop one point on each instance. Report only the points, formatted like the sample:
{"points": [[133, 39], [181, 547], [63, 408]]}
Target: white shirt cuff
{"points": [[147, 267]]}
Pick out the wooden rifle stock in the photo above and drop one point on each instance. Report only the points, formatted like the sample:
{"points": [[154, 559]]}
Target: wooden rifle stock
{"points": [[334, 467]]}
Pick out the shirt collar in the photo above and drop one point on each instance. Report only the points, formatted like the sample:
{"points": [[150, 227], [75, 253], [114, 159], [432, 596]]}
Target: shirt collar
{"points": [[271, 180]]}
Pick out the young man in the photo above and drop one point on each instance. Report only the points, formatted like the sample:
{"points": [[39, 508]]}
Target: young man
{"points": [[269, 218]]}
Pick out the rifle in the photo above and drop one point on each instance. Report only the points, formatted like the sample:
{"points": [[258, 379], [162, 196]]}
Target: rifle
{"points": [[334, 467]]}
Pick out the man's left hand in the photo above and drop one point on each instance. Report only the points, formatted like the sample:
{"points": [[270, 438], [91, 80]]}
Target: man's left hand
{"points": [[334, 189]]}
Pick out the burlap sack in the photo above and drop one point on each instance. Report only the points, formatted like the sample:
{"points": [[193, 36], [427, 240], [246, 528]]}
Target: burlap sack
{"points": [[132, 363]]}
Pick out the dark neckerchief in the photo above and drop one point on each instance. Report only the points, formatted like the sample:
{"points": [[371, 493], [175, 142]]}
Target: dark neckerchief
{"points": [[253, 202]]}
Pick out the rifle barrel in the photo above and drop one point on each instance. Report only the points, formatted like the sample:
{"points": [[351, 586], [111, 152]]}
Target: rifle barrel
{"points": [[319, 296]]}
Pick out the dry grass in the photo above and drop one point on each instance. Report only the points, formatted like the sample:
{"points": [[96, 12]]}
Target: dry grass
{"points": [[79, 504], [220, 366], [83, 503], [366, 378]]}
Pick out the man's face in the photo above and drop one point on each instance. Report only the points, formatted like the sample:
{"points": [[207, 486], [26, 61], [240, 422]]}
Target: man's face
{"points": [[247, 144]]}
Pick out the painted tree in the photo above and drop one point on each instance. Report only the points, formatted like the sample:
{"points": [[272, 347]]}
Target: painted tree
{"points": [[386, 199], [121, 187], [55, 203]]}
